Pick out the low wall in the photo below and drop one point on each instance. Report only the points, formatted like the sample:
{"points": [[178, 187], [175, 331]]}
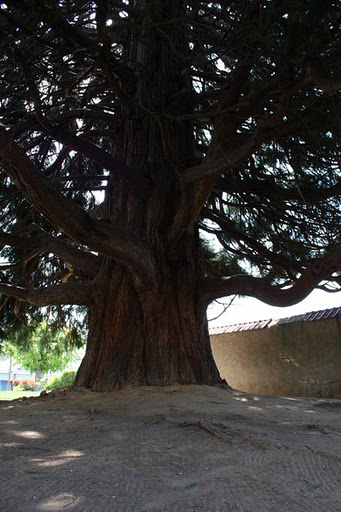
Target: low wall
{"points": [[295, 359]]}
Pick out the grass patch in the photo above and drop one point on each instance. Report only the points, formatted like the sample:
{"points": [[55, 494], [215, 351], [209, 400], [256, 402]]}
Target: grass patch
{"points": [[12, 395]]}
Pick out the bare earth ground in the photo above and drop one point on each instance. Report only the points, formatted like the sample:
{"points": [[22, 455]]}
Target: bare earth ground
{"points": [[191, 448]]}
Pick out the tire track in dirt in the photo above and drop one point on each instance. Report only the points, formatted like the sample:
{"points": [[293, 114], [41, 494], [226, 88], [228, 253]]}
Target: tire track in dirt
{"points": [[319, 475], [173, 452], [309, 473]]}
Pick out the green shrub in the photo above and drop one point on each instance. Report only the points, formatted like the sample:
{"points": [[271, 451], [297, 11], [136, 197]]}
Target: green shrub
{"points": [[66, 380]]}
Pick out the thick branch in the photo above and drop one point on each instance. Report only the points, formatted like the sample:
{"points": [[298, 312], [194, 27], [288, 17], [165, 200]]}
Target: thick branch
{"points": [[138, 183], [197, 182], [71, 219], [30, 123], [65, 293], [229, 227], [265, 188], [86, 262], [213, 288]]}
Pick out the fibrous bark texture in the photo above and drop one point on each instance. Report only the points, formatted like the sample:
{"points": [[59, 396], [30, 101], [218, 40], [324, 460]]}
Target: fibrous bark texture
{"points": [[141, 336], [138, 338]]}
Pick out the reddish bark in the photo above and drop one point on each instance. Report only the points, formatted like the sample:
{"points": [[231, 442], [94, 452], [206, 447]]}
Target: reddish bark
{"points": [[138, 338], [139, 335]]}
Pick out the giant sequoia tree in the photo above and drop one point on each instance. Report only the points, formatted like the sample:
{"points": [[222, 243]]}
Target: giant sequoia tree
{"points": [[192, 117]]}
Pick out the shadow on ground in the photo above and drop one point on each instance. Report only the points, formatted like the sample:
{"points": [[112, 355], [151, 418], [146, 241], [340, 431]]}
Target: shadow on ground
{"points": [[174, 449]]}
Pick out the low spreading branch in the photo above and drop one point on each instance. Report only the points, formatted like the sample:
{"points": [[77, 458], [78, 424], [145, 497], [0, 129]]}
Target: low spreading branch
{"points": [[61, 294], [43, 243], [71, 219], [260, 288]]}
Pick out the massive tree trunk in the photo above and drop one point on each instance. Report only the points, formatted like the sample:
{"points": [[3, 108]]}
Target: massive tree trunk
{"points": [[152, 336], [142, 338]]}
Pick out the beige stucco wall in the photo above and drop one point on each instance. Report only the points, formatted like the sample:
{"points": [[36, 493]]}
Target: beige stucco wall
{"points": [[302, 359]]}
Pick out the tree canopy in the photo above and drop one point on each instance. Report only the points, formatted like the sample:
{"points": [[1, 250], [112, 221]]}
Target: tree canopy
{"points": [[239, 102]]}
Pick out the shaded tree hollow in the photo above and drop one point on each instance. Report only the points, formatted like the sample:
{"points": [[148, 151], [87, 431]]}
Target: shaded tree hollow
{"points": [[138, 340]]}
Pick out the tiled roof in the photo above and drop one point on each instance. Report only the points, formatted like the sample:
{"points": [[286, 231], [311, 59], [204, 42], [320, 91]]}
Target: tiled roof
{"points": [[249, 326], [323, 314], [262, 324]]}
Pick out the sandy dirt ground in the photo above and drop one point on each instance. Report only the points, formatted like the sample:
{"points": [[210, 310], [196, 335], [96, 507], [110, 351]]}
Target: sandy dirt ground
{"points": [[191, 448]]}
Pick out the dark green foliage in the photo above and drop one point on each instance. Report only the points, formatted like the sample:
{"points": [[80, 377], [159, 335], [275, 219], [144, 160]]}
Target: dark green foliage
{"points": [[255, 71]]}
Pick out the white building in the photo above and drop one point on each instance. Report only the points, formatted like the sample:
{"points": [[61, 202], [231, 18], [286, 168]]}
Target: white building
{"points": [[10, 371]]}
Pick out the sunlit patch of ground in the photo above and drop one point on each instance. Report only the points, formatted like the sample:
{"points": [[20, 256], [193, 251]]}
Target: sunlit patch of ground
{"points": [[190, 448], [13, 395]]}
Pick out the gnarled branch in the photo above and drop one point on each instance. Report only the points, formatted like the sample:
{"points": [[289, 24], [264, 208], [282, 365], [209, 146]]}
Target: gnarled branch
{"points": [[260, 288], [72, 220], [87, 262], [65, 293], [197, 182]]}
